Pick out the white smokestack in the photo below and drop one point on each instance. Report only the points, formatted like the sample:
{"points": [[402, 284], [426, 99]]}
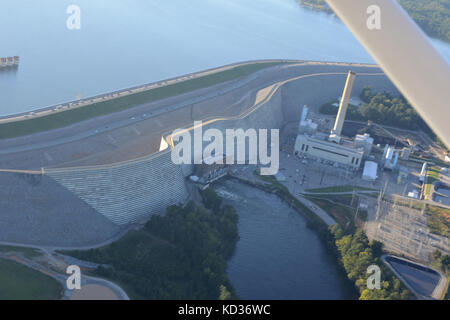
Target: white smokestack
{"points": [[339, 123]]}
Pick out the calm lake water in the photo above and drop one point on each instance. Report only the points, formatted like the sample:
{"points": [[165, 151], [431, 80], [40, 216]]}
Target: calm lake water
{"points": [[277, 256], [126, 43]]}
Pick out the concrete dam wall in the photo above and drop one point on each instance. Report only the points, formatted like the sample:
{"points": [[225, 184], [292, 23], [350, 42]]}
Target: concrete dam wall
{"points": [[135, 190], [129, 192], [99, 201]]}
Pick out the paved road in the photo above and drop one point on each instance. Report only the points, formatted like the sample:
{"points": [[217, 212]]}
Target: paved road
{"points": [[317, 210], [61, 107], [55, 248], [62, 278], [58, 259], [338, 193]]}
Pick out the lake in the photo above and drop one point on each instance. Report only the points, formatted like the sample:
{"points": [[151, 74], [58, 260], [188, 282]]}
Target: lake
{"points": [[126, 43]]}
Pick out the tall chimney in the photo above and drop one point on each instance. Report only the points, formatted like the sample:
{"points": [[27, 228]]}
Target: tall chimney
{"points": [[337, 130]]}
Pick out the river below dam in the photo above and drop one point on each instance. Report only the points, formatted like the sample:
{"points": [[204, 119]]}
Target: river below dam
{"points": [[124, 43], [277, 255]]}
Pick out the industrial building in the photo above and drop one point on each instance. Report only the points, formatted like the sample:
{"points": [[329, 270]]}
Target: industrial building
{"points": [[370, 171], [403, 173], [314, 147], [364, 141], [406, 152], [211, 169], [390, 157], [423, 172], [333, 147]]}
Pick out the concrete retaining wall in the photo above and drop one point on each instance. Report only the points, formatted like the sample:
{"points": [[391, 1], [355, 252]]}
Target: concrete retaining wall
{"points": [[128, 192]]}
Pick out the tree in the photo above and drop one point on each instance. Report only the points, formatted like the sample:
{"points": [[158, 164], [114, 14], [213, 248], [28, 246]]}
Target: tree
{"points": [[211, 199], [224, 293], [366, 94]]}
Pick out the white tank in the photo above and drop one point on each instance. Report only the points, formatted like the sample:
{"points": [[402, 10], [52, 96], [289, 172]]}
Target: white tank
{"points": [[304, 113], [423, 173]]}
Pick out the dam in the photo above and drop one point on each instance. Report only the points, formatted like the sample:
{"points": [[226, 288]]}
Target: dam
{"points": [[109, 169]]}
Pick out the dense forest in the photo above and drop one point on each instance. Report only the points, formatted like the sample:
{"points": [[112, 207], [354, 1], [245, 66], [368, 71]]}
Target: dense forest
{"points": [[356, 254], [181, 255], [383, 108], [433, 16]]}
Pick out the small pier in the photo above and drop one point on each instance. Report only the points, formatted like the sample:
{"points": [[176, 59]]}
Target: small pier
{"points": [[9, 62]]}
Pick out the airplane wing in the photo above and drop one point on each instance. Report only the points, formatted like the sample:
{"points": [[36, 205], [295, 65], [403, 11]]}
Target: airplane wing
{"points": [[405, 54]]}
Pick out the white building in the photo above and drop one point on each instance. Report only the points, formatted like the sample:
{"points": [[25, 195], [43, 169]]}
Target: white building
{"points": [[332, 148], [346, 155], [370, 171], [423, 172], [364, 141]]}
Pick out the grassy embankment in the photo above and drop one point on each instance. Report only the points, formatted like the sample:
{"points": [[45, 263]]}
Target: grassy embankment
{"points": [[342, 209], [18, 282], [68, 117], [432, 176], [438, 220]]}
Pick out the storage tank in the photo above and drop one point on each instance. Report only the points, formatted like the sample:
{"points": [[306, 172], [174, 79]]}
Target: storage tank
{"points": [[370, 171], [389, 153], [304, 113], [423, 173]]}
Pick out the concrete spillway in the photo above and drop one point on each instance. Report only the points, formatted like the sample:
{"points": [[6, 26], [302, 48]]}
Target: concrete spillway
{"points": [[129, 192], [134, 190]]}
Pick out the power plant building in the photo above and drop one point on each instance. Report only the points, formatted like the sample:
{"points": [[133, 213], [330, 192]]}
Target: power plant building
{"points": [[364, 141], [390, 157], [333, 148], [313, 147]]}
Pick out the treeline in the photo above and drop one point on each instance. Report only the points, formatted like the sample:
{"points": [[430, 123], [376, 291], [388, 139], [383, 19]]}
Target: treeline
{"points": [[181, 255], [442, 262], [356, 254], [433, 16], [383, 108]]}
